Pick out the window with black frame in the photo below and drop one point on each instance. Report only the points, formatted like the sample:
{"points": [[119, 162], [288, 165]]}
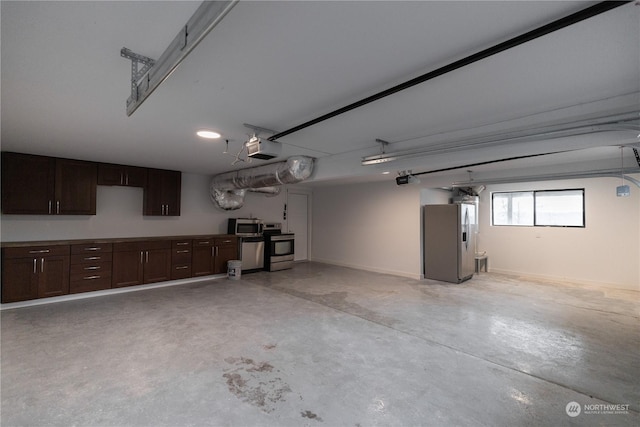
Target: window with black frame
{"points": [[543, 208]]}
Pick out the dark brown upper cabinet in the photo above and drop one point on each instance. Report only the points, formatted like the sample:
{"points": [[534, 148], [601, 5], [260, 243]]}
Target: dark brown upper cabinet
{"points": [[162, 193], [126, 176], [40, 185]]}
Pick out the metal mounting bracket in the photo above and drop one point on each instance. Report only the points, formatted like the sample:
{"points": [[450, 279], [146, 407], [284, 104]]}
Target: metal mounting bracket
{"points": [[383, 144], [136, 73], [144, 81]]}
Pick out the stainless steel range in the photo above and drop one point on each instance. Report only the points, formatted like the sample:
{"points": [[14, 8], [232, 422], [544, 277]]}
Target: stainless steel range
{"points": [[279, 248]]}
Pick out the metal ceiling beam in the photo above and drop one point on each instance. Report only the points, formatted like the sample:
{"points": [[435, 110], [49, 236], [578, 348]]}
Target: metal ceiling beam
{"points": [[556, 25], [614, 173], [623, 122], [206, 17]]}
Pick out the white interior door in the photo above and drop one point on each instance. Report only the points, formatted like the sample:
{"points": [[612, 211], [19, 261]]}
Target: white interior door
{"points": [[298, 223]]}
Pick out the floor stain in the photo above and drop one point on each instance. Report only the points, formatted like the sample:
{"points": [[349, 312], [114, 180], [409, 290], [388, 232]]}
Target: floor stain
{"points": [[256, 383], [310, 415], [269, 346], [338, 301]]}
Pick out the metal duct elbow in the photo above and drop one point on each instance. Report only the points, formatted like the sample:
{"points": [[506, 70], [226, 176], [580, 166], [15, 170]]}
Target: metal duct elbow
{"points": [[227, 200], [228, 189]]}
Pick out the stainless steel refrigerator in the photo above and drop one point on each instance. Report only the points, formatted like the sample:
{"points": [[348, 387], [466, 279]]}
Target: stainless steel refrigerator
{"points": [[449, 242]]}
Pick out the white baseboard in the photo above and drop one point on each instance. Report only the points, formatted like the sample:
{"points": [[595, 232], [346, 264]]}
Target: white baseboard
{"points": [[84, 295], [368, 268]]}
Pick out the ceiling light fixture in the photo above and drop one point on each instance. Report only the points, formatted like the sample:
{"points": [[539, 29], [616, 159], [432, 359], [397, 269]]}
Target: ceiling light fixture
{"points": [[208, 134]]}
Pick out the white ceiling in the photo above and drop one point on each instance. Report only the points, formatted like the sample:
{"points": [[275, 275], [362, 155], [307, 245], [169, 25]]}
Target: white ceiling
{"points": [[278, 64]]}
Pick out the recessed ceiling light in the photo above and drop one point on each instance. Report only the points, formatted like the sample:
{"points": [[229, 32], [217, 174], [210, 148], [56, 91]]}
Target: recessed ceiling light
{"points": [[208, 134], [385, 173]]}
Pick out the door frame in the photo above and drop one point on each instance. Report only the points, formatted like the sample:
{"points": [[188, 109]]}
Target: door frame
{"points": [[309, 193]]}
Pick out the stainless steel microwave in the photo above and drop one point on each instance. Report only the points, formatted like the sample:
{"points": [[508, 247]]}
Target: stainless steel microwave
{"points": [[245, 227]]}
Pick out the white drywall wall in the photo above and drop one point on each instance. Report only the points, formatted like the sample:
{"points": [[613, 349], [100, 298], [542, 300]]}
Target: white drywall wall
{"points": [[119, 214], [375, 226], [606, 252]]}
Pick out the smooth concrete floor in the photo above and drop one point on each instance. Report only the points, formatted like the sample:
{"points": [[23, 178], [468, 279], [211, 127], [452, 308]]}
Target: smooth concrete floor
{"points": [[322, 345]]}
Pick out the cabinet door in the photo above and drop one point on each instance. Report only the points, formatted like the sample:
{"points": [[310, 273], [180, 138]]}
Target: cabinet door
{"points": [[157, 265], [172, 183], [162, 193], [19, 279], [135, 176], [75, 187], [109, 174], [127, 268], [129, 176], [202, 259], [224, 253], [27, 184], [53, 276]]}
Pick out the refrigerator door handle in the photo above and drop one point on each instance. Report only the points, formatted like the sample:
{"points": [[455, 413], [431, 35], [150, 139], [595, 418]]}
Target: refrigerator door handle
{"points": [[465, 229]]}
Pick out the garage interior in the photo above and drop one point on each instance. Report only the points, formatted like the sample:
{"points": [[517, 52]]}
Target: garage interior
{"points": [[400, 105]]}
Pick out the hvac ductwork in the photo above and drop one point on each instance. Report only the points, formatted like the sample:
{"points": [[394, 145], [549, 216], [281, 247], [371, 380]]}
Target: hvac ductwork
{"points": [[229, 189]]}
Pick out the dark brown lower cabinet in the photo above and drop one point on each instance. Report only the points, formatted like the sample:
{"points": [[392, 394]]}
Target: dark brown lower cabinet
{"points": [[181, 259], [136, 263], [202, 258], [31, 272], [210, 256], [90, 267], [226, 250], [35, 272]]}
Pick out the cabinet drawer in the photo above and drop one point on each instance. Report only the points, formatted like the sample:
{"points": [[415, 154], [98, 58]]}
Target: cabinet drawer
{"points": [[203, 242], [91, 258], [226, 241], [101, 268], [181, 256], [36, 251], [180, 271], [181, 244], [90, 248], [92, 282]]}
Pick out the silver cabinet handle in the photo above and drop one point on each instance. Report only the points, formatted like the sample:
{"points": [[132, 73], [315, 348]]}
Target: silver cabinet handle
{"points": [[147, 256], [58, 207], [35, 265], [182, 267], [49, 207], [92, 268], [91, 277], [213, 252], [41, 265], [182, 243], [203, 243], [41, 251], [126, 182], [91, 258], [186, 251], [92, 249], [140, 257]]}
